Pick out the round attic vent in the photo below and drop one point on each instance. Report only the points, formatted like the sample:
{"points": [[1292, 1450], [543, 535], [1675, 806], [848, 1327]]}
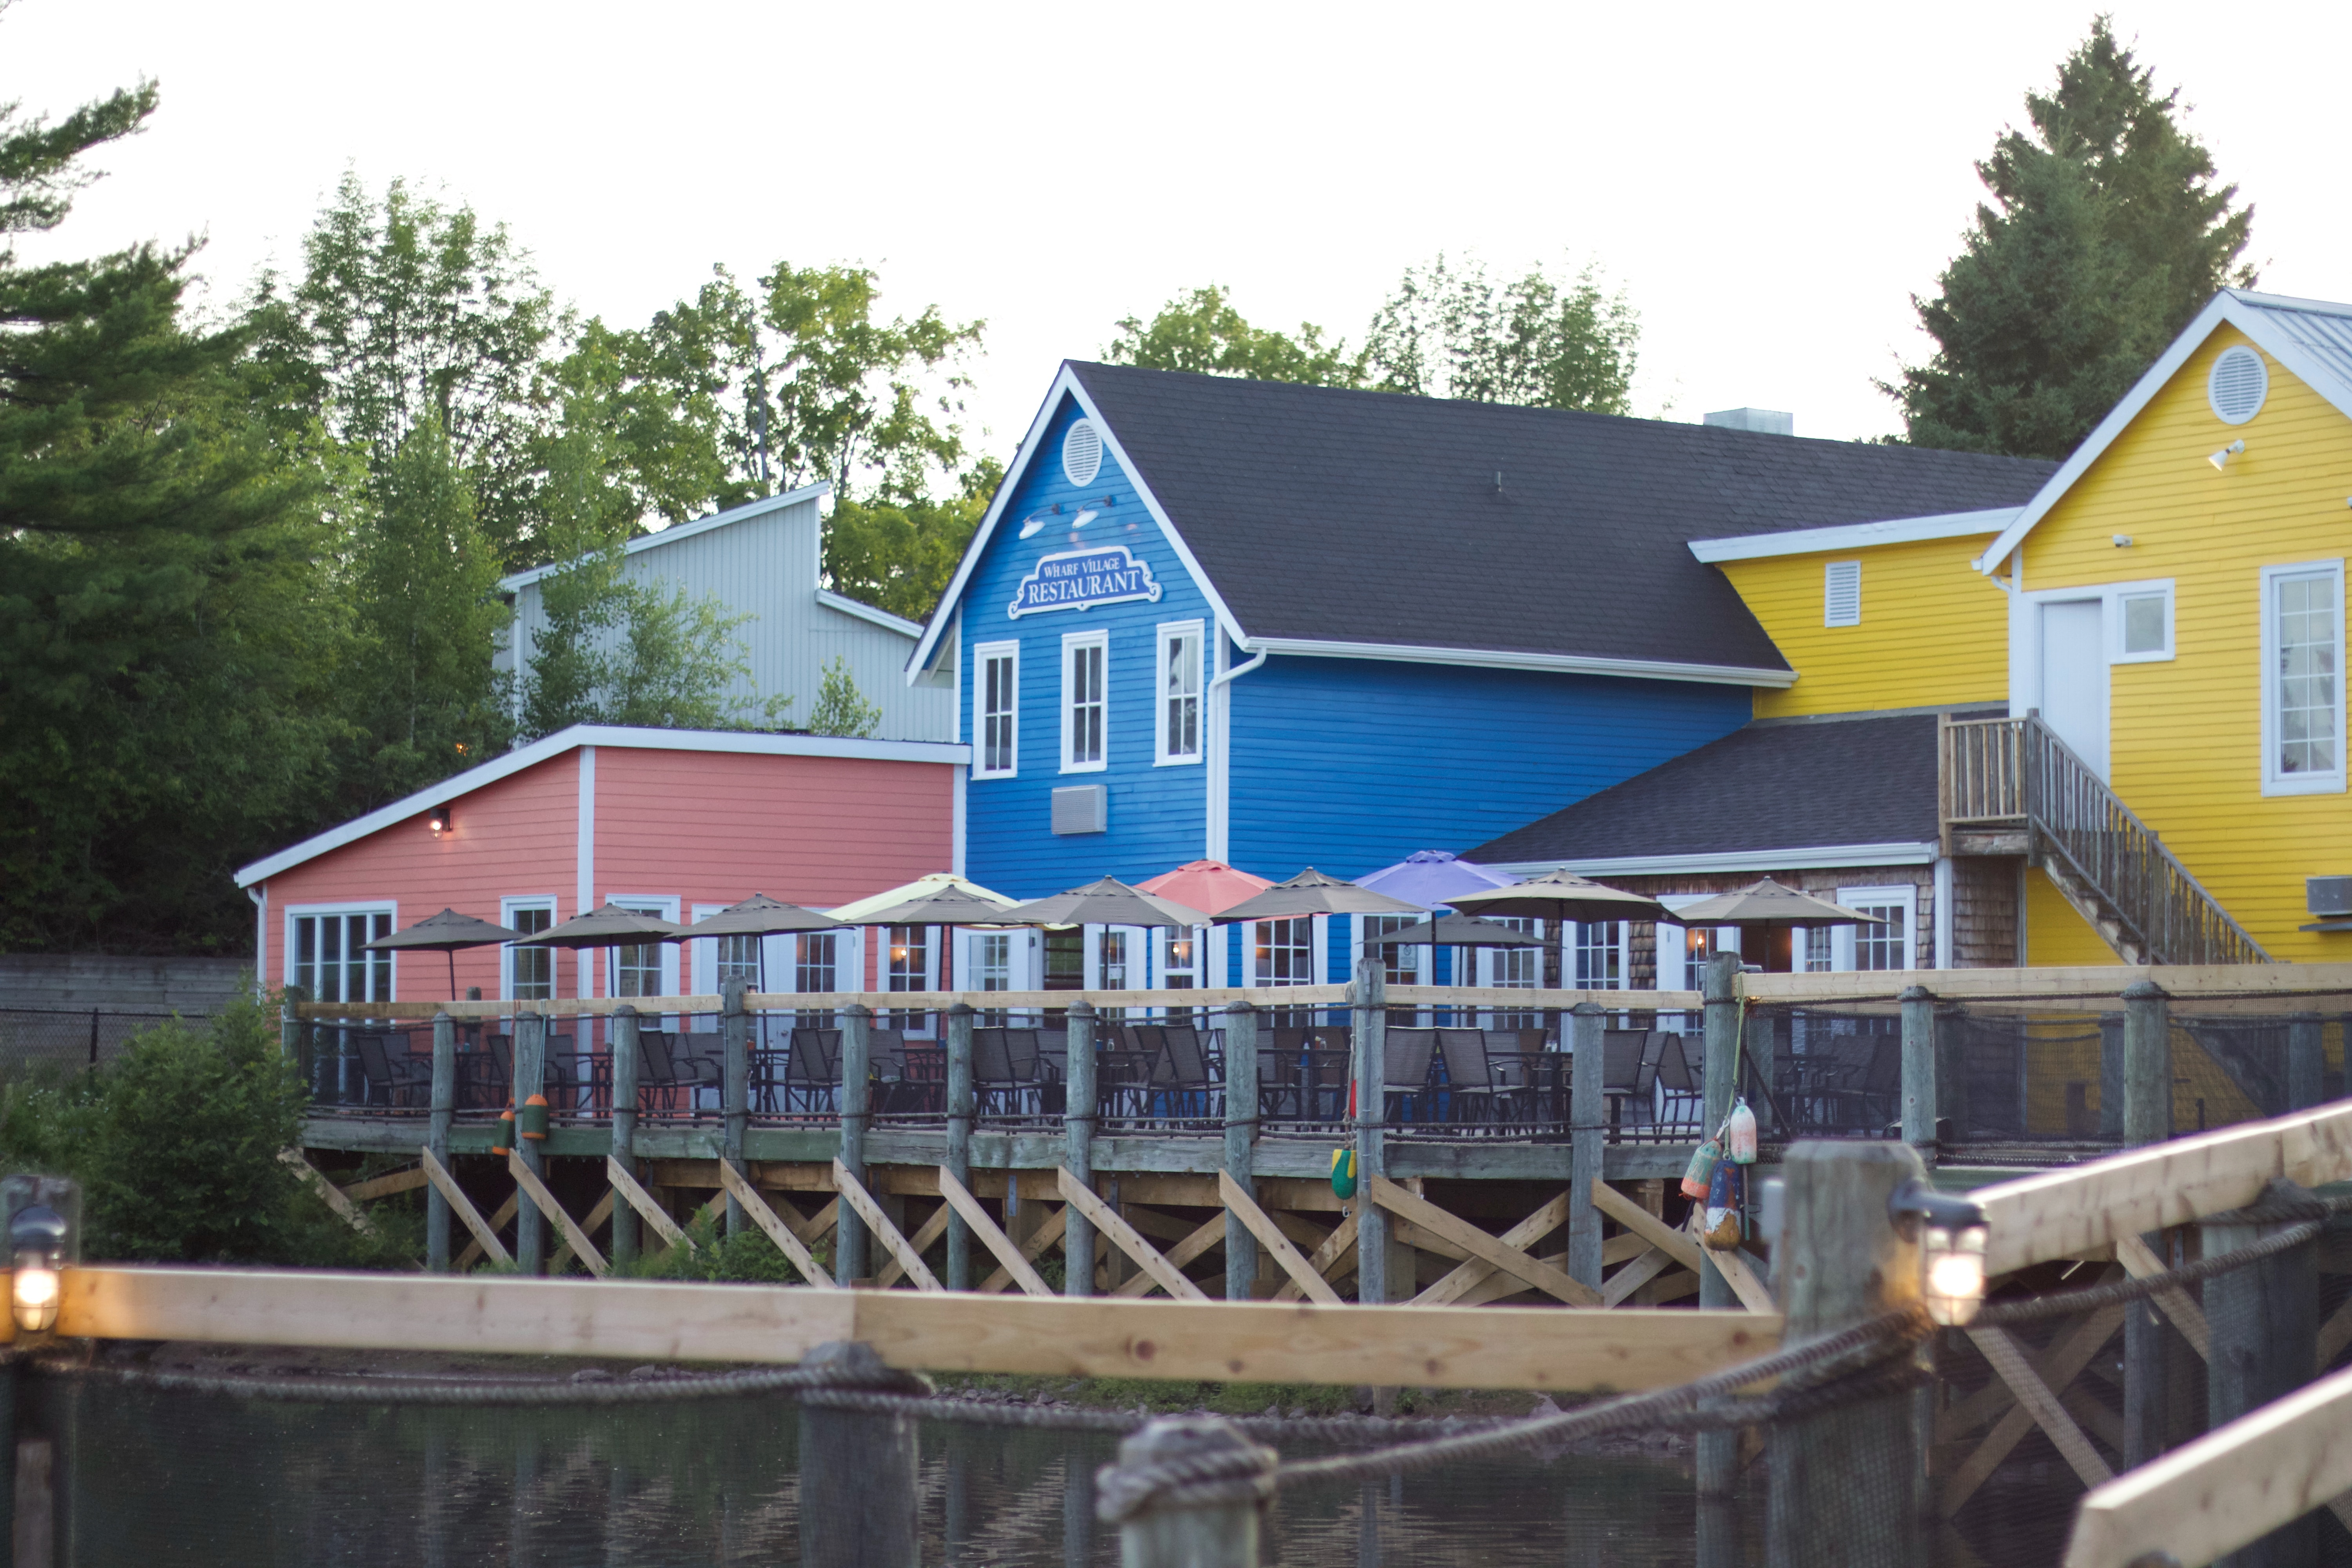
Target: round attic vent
{"points": [[1082, 453], [2239, 383]]}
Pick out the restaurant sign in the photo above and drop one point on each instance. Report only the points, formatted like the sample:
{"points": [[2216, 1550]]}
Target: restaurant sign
{"points": [[1081, 579]]}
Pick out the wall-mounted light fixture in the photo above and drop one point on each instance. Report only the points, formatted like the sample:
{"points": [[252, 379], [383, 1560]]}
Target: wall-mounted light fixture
{"points": [[1951, 1234], [38, 1239], [2123, 541], [440, 821], [2221, 459]]}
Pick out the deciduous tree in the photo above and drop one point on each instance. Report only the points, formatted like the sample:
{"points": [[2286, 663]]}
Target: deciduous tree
{"points": [[1202, 331], [1451, 331]]}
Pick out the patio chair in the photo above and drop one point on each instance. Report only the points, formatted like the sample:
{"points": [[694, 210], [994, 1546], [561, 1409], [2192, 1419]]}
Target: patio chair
{"points": [[661, 1082], [391, 1079], [1038, 1058], [1184, 1067], [1622, 1055], [1278, 1085], [1407, 1056], [1680, 1093], [995, 1086], [489, 1076], [566, 1078], [1472, 1095]]}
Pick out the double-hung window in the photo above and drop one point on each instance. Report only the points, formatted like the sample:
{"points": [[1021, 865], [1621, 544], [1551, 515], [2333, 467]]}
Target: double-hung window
{"points": [[2303, 678], [531, 971], [1086, 708], [326, 954], [996, 725], [1179, 739], [818, 969], [1600, 955], [992, 967]]}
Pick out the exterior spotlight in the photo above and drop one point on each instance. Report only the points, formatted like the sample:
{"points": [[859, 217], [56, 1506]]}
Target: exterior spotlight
{"points": [[37, 1249], [1950, 1234], [2123, 541], [440, 821], [2221, 459]]}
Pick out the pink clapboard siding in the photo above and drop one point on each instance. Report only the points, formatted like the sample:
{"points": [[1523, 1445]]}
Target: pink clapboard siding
{"points": [[701, 826]]}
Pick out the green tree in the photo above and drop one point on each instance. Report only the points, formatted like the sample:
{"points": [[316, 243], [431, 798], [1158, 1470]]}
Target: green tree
{"points": [[1202, 331], [1451, 331], [2107, 232], [841, 708], [899, 556], [166, 665]]}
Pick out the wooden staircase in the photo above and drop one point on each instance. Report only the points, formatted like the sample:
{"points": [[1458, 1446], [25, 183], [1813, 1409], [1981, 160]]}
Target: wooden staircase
{"points": [[2010, 786]]}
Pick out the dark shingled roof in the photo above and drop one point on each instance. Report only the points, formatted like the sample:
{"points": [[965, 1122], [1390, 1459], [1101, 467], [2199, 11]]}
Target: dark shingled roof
{"points": [[1371, 517], [1771, 785]]}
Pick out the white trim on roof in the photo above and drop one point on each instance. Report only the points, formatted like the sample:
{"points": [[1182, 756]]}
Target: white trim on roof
{"points": [[1065, 383], [2251, 315], [608, 735], [1556, 663], [1827, 857], [883, 619], [1854, 535], [678, 530]]}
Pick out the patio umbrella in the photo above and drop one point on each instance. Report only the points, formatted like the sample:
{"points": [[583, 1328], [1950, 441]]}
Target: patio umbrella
{"points": [[447, 932], [760, 915], [607, 925], [1455, 931], [1108, 902], [1770, 906], [1558, 897], [1433, 877], [936, 897], [1207, 884], [1312, 893]]}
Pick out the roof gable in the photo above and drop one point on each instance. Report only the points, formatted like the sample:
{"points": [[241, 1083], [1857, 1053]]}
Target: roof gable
{"points": [[681, 530]]}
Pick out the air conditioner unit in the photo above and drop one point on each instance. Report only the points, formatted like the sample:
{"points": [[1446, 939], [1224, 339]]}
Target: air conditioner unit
{"points": [[1082, 808], [2328, 895]]}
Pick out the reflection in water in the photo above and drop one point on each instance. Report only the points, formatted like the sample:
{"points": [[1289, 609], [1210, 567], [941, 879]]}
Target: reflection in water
{"points": [[161, 1479]]}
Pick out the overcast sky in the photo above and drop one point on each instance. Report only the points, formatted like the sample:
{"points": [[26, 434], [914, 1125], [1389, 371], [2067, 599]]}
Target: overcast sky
{"points": [[1768, 183]]}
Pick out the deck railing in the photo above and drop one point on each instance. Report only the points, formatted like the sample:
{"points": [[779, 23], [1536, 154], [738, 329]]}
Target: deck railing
{"points": [[1995, 773]]}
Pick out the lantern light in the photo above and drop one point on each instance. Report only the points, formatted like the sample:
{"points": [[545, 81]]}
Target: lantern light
{"points": [[37, 1250], [1951, 1236], [439, 820]]}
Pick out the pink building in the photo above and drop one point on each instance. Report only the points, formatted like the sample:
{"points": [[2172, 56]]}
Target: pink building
{"points": [[676, 822]]}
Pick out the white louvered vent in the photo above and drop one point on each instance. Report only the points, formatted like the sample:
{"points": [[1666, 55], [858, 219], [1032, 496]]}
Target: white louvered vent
{"points": [[2239, 383], [1082, 453], [1842, 594]]}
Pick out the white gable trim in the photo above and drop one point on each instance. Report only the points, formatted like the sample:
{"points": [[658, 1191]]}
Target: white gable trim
{"points": [[1835, 856], [676, 532], [1854, 535], [1556, 663], [883, 619], [2250, 313], [589, 736], [1065, 382]]}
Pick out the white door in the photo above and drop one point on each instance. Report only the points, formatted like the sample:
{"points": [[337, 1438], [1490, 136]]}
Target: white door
{"points": [[2074, 678]]}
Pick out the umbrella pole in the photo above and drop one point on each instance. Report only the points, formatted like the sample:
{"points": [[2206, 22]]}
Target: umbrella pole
{"points": [[453, 972]]}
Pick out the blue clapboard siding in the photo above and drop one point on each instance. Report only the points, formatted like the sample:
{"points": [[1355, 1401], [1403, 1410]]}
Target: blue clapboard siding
{"points": [[1158, 816], [1352, 764]]}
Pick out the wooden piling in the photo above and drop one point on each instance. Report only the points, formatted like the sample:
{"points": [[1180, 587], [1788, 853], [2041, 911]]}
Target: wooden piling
{"points": [[1080, 1102], [959, 1161], [858, 1475], [1919, 1107], [1241, 1145], [734, 1089], [849, 1235], [1587, 1126], [625, 1131], [1368, 1032], [2146, 1118], [437, 1138], [2306, 1062], [1846, 1476], [2262, 1326], [1718, 1453], [1169, 1534], [529, 1079]]}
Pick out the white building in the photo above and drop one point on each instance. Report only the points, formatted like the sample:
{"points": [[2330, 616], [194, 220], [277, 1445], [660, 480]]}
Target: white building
{"points": [[762, 560]]}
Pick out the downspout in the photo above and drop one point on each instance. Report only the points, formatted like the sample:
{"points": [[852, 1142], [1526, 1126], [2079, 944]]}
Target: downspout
{"points": [[1221, 777], [1239, 671], [260, 897]]}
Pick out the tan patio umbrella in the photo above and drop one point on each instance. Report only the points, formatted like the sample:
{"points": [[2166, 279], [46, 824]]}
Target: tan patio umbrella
{"points": [[1107, 902], [607, 925], [937, 899], [446, 932], [1312, 893], [760, 915], [1770, 906], [1455, 931], [1556, 897]]}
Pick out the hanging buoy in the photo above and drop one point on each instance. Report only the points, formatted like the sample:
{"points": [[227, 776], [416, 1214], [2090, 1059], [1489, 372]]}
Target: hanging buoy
{"points": [[1739, 1133], [502, 1140], [1702, 1169], [1343, 1172], [1723, 1215], [532, 1123]]}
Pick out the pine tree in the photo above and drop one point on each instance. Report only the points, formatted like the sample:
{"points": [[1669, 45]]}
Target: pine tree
{"points": [[2107, 234]]}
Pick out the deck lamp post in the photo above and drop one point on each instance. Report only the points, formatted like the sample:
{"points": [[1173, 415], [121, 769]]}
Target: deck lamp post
{"points": [[37, 1238], [1950, 1234]]}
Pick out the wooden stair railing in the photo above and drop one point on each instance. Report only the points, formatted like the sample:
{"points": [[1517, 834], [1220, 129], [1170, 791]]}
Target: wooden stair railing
{"points": [[1998, 774]]}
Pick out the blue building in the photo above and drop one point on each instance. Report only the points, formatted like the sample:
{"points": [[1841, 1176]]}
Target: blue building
{"points": [[1282, 626]]}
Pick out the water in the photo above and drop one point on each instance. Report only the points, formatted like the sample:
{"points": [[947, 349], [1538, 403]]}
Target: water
{"points": [[152, 1478]]}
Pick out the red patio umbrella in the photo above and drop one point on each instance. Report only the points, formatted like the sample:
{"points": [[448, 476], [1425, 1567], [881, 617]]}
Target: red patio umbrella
{"points": [[1210, 886]]}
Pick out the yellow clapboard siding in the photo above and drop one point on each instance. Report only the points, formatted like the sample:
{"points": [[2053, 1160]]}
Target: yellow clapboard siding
{"points": [[1933, 632], [2184, 735], [2055, 933]]}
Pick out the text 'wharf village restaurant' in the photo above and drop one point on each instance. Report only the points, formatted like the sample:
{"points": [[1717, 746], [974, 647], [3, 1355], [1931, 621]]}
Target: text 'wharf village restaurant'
{"points": [[1282, 626]]}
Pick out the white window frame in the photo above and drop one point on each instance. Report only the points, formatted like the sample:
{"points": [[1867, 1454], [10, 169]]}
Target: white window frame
{"points": [[980, 656], [369, 906], [704, 951], [848, 958], [1167, 637], [1317, 954], [1071, 643], [1572, 938], [2115, 594], [1727, 939], [1842, 952], [2275, 782], [1829, 571], [661, 906], [507, 908]]}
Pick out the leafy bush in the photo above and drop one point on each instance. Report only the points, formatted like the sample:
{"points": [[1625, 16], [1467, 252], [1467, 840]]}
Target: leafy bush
{"points": [[748, 1258]]}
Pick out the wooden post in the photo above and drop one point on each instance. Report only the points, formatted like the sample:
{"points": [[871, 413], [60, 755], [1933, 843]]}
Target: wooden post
{"points": [[1759, 1053], [624, 1130], [1169, 1534], [1241, 1145], [2111, 1075], [960, 1112], [849, 1234], [1587, 1126], [1367, 1000], [1718, 1453], [1919, 1107], [436, 1137], [2262, 1323], [290, 1027], [2306, 1062], [529, 1079], [858, 1475], [2146, 1118], [1845, 1476], [1080, 1099], [734, 1089]]}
